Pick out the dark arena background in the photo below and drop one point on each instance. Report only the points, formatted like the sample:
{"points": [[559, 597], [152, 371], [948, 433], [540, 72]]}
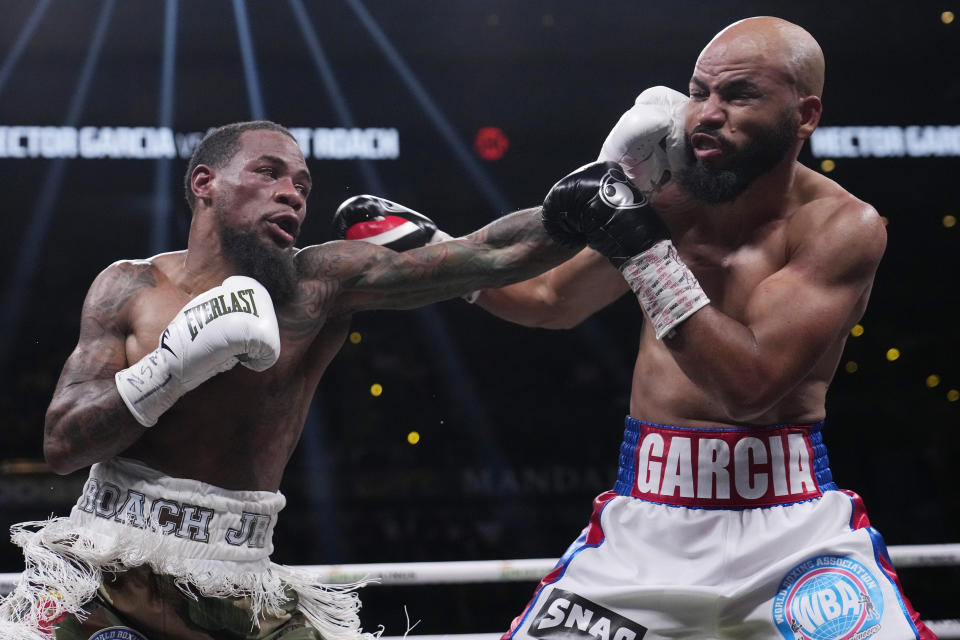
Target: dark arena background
{"points": [[445, 433]]}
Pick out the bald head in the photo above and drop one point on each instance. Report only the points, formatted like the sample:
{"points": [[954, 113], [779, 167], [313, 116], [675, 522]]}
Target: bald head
{"points": [[786, 47]]}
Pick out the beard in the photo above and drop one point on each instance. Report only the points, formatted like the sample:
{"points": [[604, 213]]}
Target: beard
{"points": [[723, 184], [270, 266]]}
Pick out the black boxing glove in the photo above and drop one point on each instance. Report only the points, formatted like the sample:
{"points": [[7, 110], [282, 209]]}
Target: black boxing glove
{"points": [[384, 223], [597, 205]]}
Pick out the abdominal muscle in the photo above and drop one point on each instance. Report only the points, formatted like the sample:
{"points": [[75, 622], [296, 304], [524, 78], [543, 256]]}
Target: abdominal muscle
{"points": [[662, 394], [233, 432]]}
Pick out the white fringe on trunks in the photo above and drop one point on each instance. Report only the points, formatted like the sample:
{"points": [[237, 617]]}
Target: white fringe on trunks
{"points": [[213, 541]]}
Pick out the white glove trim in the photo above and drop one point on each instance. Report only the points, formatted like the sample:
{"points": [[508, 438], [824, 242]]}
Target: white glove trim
{"points": [[390, 235]]}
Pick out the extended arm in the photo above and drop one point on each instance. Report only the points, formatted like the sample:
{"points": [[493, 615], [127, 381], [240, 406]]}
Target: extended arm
{"points": [[366, 276], [87, 420], [561, 298], [791, 320], [558, 299]]}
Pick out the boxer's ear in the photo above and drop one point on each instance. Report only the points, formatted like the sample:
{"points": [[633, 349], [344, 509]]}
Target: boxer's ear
{"points": [[810, 110], [201, 179]]}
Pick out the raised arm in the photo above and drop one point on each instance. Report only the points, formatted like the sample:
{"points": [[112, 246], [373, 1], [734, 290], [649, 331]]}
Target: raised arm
{"points": [[648, 145], [793, 320], [87, 420], [361, 275]]}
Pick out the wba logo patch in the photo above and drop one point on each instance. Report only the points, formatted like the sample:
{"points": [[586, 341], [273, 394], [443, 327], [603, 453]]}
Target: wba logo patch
{"points": [[118, 633], [829, 598], [568, 616]]}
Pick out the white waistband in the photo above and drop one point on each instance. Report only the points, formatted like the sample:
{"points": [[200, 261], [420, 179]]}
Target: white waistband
{"points": [[213, 541], [127, 500]]}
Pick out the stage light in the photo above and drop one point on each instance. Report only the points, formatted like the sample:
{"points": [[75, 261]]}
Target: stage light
{"points": [[413, 437], [893, 354], [953, 395], [933, 380], [247, 56], [355, 337], [163, 169], [491, 143], [946, 17], [23, 39], [949, 221], [376, 390], [857, 330], [495, 198], [851, 367], [827, 166], [31, 245]]}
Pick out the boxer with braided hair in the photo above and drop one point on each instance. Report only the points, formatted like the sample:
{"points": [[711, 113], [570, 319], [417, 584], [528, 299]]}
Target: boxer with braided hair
{"points": [[187, 393]]}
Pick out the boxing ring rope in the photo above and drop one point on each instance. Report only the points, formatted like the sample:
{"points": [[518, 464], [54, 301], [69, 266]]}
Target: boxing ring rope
{"points": [[533, 569]]}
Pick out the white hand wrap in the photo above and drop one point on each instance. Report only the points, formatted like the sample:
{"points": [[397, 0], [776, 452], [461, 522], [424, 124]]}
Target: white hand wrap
{"points": [[232, 323], [666, 288], [649, 139]]}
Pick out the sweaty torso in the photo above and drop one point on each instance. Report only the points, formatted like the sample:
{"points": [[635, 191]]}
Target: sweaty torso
{"points": [[729, 270], [238, 429]]}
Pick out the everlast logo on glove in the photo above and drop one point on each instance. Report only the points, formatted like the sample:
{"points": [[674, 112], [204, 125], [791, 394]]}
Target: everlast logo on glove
{"points": [[210, 310], [568, 616]]}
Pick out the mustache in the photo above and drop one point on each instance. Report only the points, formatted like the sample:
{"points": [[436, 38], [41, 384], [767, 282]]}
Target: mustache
{"points": [[724, 144]]}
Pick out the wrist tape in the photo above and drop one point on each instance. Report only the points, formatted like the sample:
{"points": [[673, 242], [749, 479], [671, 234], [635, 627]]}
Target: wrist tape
{"points": [[666, 288]]}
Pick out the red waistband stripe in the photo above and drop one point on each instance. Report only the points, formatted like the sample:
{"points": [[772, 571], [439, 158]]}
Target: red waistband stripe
{"points": [[724, 467]]}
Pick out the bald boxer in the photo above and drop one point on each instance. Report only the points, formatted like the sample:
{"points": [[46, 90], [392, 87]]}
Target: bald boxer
{"points": [[187, 393], [724, 521], [750, 269]]}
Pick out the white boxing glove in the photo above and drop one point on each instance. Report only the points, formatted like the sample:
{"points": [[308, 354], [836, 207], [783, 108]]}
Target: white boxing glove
{"points": [[648, 140], [388, 224], [385, 223], [232, 323]]}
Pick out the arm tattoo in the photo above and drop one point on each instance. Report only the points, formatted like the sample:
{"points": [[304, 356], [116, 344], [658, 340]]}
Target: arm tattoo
{"points": [[112, 290], [512, 248], [86, 416], [305, 314]]}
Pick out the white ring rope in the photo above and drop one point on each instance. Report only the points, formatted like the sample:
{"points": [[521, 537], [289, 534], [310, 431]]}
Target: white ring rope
{"points": [[533, 569], [406, 573], [943, 629]]}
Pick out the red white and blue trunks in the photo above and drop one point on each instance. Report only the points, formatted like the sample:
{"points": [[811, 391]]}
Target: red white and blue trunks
{"points": [[738, 534]]}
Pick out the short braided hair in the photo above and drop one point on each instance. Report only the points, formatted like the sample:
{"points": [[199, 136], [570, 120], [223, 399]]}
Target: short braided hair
{"points": [[220, 145]]}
